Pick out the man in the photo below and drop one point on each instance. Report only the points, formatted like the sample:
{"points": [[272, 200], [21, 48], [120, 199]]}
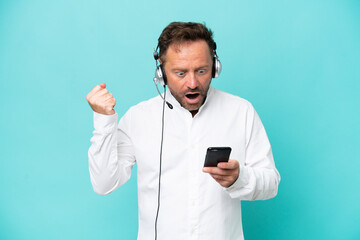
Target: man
{"points": [[196, 202]]}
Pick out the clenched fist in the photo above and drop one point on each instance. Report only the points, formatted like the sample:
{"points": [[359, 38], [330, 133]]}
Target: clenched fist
{"points": [[101, 101]]}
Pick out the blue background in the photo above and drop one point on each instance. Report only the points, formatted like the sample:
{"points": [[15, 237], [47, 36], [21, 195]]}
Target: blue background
{"points": [[296, 61]]}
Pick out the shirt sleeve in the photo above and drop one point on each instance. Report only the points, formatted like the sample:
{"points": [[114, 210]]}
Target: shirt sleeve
{"points": [[258, 178], [111, 154]]}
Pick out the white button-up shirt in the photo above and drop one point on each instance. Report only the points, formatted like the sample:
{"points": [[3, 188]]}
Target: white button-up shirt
{"points": [[193, 205]]}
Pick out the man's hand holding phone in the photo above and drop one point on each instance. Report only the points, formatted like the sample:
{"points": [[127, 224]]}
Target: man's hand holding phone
{"points": [[217, 163], [101, 101], [226, 173]]}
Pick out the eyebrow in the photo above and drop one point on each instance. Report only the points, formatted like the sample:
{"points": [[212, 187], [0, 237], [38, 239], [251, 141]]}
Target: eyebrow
{"points": [[183, 70]]}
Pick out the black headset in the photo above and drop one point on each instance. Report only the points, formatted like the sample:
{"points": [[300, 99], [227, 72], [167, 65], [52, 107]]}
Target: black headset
{"points": [[160, 76]]}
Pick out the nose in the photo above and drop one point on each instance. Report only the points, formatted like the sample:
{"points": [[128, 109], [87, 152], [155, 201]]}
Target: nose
{"points": [[192, 82]]}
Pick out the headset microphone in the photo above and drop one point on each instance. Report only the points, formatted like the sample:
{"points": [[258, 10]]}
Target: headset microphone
{"points": [[167, 103]]}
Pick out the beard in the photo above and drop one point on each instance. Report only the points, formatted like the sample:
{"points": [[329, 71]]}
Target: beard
{"points": [[191, 99]]}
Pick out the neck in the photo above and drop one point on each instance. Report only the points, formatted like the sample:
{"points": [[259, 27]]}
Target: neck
{"points": [[193, 113]]}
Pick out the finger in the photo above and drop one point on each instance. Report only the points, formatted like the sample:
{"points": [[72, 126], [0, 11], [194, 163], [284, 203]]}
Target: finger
{"points": [[217, 177], [222, 177], [108, 96], [99, 94], [222, 180], [231, 164], [114, 102], [218, 171], [93, 91], [111, 102], [109, 109]]}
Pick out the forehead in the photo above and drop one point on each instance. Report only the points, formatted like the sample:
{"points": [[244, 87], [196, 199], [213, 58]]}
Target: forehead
{"points": [[191, 52]]}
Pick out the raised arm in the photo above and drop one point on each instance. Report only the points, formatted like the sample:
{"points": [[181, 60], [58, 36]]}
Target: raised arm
{"points": [[111, 155]]}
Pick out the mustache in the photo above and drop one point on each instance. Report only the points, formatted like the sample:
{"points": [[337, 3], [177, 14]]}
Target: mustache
{"points": [[195, 91]]}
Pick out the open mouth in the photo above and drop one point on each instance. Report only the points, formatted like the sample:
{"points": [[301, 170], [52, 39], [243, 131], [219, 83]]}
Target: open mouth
{"points": [[192, 95], [192, 98]]}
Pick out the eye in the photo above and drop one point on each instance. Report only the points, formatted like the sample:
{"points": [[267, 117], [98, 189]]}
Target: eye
{"points": [[180, 74], [202, 71]]}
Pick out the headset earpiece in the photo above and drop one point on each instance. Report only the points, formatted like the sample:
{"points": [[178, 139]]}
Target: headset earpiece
{"points": [[216, 68], [164, 74], [160, 75]]}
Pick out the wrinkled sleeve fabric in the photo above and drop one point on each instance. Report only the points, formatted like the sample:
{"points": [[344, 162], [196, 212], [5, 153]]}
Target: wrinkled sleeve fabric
{"points": [[258, 178], [111, 154]]}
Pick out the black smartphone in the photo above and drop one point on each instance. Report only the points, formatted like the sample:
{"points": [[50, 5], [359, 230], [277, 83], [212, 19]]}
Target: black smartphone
{"points": [[214, 155]]}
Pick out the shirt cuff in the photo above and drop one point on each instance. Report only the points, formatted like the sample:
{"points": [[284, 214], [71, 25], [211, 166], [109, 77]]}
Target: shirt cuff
{"points": [[105, 123], [242, 181]]}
